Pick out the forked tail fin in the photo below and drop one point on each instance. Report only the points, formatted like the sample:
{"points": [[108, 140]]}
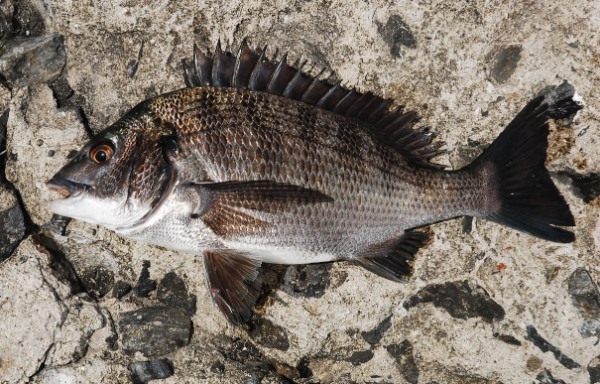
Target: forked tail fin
{"points": [[529, 200]]}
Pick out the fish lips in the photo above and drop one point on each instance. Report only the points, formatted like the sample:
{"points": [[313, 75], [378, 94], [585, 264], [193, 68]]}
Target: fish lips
{"points": [[66, 188]]}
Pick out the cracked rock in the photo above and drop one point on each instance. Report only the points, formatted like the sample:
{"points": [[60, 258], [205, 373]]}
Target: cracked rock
{"points": [[40, 319], [31, 60], [12, 222]]}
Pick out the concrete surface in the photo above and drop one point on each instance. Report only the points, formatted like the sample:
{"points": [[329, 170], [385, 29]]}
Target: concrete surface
{"points": [[485, 305]]}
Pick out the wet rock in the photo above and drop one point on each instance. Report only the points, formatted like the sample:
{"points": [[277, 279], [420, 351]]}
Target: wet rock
{"points": [[145, 284], [505, 62], [545, 377], [267, 334], [12, 222], [309, 280], [396, 33], [121, 289], [40, 320], [172, 291], [27, 61], [374, 336], [154, 331], [144, 371], [461, 299], [360, 357], [405, 361], [545, 346], [586, 298], [97, 281], [593, 369]]}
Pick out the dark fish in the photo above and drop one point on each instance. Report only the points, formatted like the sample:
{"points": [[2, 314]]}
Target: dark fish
{"points": [[259, 162]]}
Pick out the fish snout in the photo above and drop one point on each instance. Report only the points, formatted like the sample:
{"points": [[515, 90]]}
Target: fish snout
{"points": [[63, 187]]}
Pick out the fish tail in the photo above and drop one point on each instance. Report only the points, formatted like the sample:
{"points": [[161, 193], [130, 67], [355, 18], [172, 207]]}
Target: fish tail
{"points": [[527, 198]]}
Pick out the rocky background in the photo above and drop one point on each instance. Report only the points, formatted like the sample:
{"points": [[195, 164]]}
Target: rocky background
{"points": [[486, 304]]}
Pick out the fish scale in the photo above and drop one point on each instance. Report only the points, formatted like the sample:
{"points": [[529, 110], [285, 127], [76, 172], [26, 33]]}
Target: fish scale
{"points": [[285, 168]]}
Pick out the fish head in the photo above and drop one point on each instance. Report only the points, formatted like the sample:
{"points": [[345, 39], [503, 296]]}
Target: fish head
{"points": [[116, 179]]}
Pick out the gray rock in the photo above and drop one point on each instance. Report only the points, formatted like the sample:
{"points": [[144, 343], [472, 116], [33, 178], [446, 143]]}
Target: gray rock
{"points": [[154, 331], [31, 60], [12, 222], [586, 298], [172, 291], [145, 371], [461, 299]]}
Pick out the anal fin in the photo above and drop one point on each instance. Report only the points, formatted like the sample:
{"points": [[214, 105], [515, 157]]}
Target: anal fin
{"points": [[233, 282], [393, 259]]}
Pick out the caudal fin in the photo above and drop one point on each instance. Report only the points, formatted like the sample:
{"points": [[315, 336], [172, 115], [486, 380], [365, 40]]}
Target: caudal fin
{"points": [[529, 200]]}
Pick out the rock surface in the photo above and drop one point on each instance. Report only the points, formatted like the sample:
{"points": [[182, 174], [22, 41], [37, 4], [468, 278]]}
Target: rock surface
{"points": [[485, 304]]}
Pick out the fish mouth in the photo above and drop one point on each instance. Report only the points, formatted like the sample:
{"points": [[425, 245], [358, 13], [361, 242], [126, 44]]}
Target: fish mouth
{"points": [[66, 188]]}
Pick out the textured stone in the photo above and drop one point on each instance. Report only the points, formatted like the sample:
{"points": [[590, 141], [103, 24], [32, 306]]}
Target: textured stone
{"points": [[27, 61], [41, 321], [154, 331], [145, 371], [446, 76]]}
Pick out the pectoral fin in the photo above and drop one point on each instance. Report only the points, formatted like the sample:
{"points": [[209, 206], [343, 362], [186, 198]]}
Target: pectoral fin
{"points": [[393, 259], [233, 282], [221, 205]]}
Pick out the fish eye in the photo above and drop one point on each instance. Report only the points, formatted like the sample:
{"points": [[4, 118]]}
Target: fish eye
{"points": [[102, 152]]}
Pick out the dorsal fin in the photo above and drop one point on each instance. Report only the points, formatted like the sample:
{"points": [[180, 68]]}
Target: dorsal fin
{"points": [[250, 68]]}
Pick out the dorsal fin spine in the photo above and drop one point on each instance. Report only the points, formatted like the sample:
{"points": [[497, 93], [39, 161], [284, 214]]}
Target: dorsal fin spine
{"points": [[249, 68]]}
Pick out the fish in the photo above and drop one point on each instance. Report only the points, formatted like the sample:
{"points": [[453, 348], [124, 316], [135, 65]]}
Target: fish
{"points": [[256, 161]]}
